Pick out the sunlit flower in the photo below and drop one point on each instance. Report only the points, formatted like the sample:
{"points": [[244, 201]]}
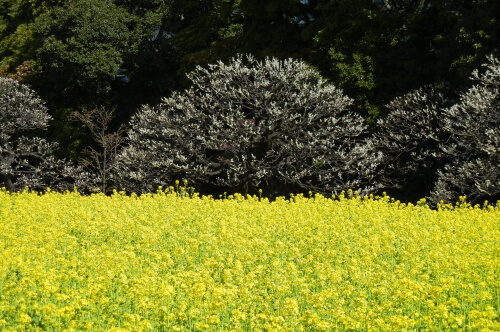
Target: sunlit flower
{"points": [[172, 263]]}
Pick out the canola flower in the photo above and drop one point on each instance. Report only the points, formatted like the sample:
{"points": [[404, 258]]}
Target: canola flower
{"points": [[167, 262]]}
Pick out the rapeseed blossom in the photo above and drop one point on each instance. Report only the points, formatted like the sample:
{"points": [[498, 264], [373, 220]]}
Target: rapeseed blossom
{"points": [[166, 262]]}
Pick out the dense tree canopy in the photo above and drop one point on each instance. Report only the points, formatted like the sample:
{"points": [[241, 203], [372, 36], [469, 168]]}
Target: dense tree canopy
{"points": [[86, 38], [374, 49]]}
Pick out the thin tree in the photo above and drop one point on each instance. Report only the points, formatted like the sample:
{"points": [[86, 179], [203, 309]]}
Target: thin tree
{"points": [[100, 162]]}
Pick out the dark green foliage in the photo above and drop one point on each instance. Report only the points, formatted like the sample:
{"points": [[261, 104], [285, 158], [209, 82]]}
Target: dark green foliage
{"points": [[86, 38], [378, 50], [204, 32]]}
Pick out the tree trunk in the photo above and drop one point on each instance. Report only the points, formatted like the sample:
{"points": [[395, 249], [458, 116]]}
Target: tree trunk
{"points": [[7, 180]]}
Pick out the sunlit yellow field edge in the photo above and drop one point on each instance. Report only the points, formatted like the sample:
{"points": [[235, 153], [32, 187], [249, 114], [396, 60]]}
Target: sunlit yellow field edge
{"points": [[175, 261]]}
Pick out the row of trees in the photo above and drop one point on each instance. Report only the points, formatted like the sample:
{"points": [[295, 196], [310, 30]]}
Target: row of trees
{"points": [[275, 125], [120, 54]]}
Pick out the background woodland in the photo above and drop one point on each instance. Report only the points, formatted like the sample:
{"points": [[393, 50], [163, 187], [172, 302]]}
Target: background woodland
{"points": [[396, 74]]}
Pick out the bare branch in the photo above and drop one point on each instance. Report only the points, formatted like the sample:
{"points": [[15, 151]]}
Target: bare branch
{"points": [[100, 163]]}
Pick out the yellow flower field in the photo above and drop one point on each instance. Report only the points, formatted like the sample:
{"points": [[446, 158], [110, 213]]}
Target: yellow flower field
{"points": [[165, 262]]}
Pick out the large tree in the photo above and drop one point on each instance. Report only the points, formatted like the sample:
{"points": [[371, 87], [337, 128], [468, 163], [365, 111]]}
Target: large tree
{"points": [[204, 32], [87, 38], [274, 27], [245, 125]]}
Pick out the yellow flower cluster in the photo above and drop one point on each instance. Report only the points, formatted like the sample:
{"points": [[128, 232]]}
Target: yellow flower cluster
{"points": [[167, 262]]}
